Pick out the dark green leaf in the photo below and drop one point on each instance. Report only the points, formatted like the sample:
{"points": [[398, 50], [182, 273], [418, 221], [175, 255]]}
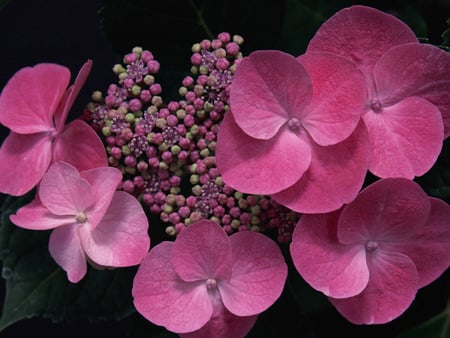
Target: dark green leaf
{"points": [[3, 3], [436, 327]]}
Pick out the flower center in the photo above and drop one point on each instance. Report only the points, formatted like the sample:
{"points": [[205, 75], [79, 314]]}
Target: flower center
{"points": [[294, 124], [376, 105], [371, 246], [211, 283], [81, 217]]}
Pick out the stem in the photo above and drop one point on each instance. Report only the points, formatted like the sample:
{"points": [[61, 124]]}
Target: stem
{"points": [[201, 20]]}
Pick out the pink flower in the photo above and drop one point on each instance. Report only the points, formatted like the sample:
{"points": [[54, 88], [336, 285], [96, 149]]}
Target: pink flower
{"points": [[205, 281], [294, 131], [373, 255], [408, 83], [34, 105], [91, 220]]}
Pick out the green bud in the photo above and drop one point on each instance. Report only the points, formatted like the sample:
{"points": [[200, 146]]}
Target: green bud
{"points": [[135, 90], [129, 117], [126, 150], [194, 179], [106, 131], [170, 230]]}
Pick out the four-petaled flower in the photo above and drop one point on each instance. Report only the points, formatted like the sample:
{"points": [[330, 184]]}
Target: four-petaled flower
{"points": [[206, 281], [371, 256], [294, 130], [92, 221], [34, 105], [407, 112]]}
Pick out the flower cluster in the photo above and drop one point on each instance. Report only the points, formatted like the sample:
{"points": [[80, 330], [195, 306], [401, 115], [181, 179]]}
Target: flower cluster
{"points": [[166, 151], [272, 143]]}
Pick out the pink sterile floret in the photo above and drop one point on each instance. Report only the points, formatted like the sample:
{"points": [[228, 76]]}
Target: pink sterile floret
{"points": [[371, 256], [206, 281], [92, 221], [294, 131], [407, 112], [34, 105]]}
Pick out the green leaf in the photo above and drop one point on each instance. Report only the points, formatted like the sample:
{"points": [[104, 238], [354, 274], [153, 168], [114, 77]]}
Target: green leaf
{"points": [[3, 3], [436, 182], [303, 18], [37, 286], [436, 327]]}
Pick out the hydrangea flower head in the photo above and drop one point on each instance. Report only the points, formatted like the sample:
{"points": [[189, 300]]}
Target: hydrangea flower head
{"points": [[407, 112], [91, 220], [293, 129], [208, 281], [371, 256], [34, 105]]}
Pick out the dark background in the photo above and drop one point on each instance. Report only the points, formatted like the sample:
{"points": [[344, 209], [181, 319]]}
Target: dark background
{"points": [[70, 32]]}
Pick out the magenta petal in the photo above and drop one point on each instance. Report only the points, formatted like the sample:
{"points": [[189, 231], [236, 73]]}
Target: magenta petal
{"points": [[416, 70], [257, 279], [31, 97], [202, 251], [335, 176], [72, 93], [260, 166], [332, 118], [429, 247], [164, 299], [66, 250], [35, 216], [121, 238], [80, 146], [104, 182], [362, 34], [391, 290], [23, 161], [337, 270], [390, 209], [223, 324], [268, 89], [406, 138], [63, 191]]}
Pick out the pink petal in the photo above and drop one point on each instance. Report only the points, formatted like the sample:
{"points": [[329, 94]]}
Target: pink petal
{"points": [[80, 146], [35, 216], [335, 176], [31, 97], [260, 166], [362, 34], [391, 290], [416, 70], [268, 89], [104, 182], [72, 93], [164, 299], [335, 269], [429, 246], [23, 161], [63, 191], [66, 250], [258, 275], [406, 138], [332, 118], [202, 251], [121, 238], [224, 324], [390, 209]]}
